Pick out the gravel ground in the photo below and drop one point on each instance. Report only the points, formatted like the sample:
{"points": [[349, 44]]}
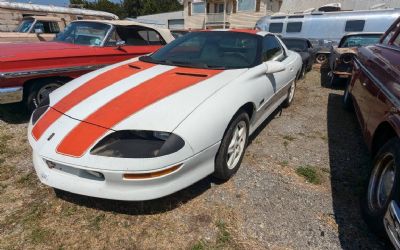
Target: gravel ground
{"points": [[266, 205]]}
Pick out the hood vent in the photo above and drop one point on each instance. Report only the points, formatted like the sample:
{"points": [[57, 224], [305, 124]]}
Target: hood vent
{"points": [[191, 74], [134, 66]]}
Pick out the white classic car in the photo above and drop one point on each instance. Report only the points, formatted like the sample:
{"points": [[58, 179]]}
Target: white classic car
{"points": [[153, 125]]}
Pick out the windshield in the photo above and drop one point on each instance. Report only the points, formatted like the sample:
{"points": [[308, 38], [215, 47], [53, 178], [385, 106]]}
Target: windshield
{"points": [[214, 49], [84, 33], [359, 41], [25, 25], [296, 45]]}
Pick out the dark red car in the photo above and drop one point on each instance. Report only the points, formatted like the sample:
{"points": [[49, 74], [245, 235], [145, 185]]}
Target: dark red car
{"points": [[375, 95], [29, 71]]}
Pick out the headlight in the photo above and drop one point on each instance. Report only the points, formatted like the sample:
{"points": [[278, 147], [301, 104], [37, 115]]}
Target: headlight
{"points": [[40, 110], [347, 58], [138, 144]]}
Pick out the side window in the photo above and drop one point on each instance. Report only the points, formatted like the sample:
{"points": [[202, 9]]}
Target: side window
{"points": [[294, 27], [47, 27], [354, 26], [388, 37], [275, 27], [272, 49], [396, 41], [136, 36]]}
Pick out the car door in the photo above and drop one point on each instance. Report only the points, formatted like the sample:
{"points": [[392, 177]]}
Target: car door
{"points": [[275, 85], [274, 51], [127, 42]]}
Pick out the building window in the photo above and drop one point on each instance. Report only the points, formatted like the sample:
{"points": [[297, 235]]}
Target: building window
{"points": [[198, 8], [275, 27], [355, 25], [218, 8], [294, 27], [246, 5]]}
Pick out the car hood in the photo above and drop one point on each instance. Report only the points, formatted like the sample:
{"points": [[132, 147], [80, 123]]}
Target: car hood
{"points": [[139, 95], [15, 52], [132, 95], [340, 51]]}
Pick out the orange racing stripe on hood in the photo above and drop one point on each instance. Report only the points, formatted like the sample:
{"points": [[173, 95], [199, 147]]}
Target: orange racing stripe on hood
{"points": [[86, 133], [86, 90]]}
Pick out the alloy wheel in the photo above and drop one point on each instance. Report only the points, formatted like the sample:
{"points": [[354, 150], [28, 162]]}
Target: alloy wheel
{"points": [[237, 145]]}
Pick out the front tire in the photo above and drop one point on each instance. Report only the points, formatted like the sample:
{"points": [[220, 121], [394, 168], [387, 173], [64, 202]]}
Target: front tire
{"points": [[233, 145], [382, 186], [347, 101]]}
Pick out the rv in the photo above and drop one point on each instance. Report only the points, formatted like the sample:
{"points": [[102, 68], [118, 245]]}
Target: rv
{"points": [[325, 29]]}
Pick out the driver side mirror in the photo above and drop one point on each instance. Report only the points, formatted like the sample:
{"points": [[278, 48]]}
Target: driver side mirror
{"points": [[38, 31], [274, 67], [120, 43]]}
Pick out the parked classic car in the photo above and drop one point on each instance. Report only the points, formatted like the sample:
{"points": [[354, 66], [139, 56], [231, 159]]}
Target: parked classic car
{"points": [[148, 127], [306, 51], [34, 28], [29, 71], [341, 56], [375, 95]]}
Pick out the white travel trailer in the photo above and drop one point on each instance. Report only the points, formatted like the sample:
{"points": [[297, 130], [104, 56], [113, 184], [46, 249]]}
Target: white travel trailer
{"points": [[325, 29]]}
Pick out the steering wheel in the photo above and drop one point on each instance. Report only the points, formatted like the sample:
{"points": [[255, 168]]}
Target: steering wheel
{"points": [[239, 56]]}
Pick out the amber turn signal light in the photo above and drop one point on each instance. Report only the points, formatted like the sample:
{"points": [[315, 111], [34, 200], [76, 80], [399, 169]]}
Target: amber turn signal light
{"points": [[152, 174]]}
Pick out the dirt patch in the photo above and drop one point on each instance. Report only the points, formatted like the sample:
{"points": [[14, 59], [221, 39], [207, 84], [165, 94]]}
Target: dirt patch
{"points": [[266, 205]]}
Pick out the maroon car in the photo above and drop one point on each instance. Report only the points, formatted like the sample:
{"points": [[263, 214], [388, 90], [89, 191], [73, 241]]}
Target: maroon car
{"points": [[374, 92]]}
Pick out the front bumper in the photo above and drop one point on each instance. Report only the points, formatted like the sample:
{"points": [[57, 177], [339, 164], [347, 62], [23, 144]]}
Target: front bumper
{"points": [[11, 95], [392, 223], [114, 186]]}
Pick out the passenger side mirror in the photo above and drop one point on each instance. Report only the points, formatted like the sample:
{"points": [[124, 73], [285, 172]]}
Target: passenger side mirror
{"points": [[274, 67], [38, 31]]}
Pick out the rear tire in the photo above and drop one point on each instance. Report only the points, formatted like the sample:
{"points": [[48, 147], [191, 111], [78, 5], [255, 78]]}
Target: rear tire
{"points": [[290, 96], [233, 146], [321, 58], [39, 91], [302, 74], [382, 186]]}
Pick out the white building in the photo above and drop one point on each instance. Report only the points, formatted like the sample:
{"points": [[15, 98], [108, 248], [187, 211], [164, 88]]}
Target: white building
{"points": [[171, 20], [205, 14]]}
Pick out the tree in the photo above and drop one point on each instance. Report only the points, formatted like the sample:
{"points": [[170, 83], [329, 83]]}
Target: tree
{"points": [[131, 8]]}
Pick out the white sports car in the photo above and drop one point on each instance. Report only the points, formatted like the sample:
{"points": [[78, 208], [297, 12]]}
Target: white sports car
{"points": [[151, 126]]}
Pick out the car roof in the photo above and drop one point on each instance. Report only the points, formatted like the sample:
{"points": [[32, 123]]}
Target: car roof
{"points": [[248, 31], [295, 38], [363, 33], [166, 33], [43, 18]]}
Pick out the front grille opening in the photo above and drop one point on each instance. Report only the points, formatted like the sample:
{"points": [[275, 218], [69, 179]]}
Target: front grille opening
{"points": [[82, 173]]}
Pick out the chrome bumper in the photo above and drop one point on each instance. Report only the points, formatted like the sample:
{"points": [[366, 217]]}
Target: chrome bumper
{"points": [[11, 95], [392, 223]]}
